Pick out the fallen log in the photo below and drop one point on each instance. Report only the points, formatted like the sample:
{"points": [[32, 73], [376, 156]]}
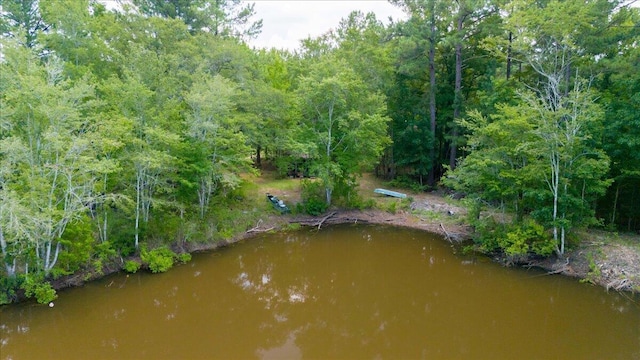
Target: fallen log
{"points": [[314, 222], [325, 219], [447, 236], [258, 230]]}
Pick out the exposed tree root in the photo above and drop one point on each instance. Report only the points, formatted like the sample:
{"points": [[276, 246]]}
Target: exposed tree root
{"points": [[564, 269], [618, 284], [446, 233]]}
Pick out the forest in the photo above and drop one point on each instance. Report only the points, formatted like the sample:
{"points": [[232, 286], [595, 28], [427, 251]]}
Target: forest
{"points": [[127, 131]]}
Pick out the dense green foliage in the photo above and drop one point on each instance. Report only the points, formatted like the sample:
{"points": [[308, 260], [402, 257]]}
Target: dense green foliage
{"points": [[159, 259], [128, 130]]}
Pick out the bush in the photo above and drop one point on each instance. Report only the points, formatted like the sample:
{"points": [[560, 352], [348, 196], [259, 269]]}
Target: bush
{"points": [[158, 260], [36, 287], [392, 207], [184, 258], [131, 266], [8, 287], [405, 203], [353, 200], [122, 233], [516, 241], [313, 202], [406, 182], [77, 241], [314, 206], [102, 253]]}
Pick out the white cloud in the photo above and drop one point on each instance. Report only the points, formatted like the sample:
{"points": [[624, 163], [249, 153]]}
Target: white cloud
{"points": [[285, 23]]}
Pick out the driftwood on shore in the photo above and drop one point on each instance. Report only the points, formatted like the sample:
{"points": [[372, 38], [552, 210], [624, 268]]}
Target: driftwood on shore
{"points": [[257, 228], [447, 236], [314, 222], [564, 269], [329, 219]]}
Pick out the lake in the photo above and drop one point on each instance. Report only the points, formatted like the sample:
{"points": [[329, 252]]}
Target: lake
{"points": [[344, 292]]}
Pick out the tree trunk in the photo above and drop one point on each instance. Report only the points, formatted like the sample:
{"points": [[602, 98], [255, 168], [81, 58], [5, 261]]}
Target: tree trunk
{"points": [[457, 101], [203, 196], [431, 180], [49, 263], [258, 158], [554, 185], [509, 56], [615, 204], [567, 76], [11, 270], [138, 190], [102, 229], [327, 186]]}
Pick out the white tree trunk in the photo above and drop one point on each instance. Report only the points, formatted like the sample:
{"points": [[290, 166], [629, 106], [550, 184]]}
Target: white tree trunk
{"points": [[138, 205], [10, 269]]}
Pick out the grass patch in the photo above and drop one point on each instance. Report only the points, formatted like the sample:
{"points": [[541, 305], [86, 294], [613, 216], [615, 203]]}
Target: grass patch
{"points": [[596, 236], [292, 227], [430, 215], [286, 189], [282, 184], [438, 216]]}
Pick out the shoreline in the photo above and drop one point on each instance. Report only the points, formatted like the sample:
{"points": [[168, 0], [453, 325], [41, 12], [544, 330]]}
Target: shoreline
{"points": [[579, 262]]}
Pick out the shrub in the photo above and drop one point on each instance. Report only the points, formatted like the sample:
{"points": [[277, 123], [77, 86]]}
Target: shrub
{"points": [[8, 287], [184, 258], [406, 182], [395, 205], [353, 200], [392, 207], [516, 241], [405, 203], [594, 271], [158, 260], [528, 237], [36, 287], [314, 206], [313, 202], [122, 233], [131, 266], [102, 253], [368, 204], [77, 241]]}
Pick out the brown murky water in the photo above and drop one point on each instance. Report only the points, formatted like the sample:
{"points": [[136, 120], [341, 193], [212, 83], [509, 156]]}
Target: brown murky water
{"points": [[350, 292]]}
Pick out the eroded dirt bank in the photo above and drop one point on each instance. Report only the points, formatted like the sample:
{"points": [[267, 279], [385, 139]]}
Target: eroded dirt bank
{"points": [[613, 265]]}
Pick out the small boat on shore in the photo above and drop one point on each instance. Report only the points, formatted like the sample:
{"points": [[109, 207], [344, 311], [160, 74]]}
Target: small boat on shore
{"points": [[278, 204], [390, 193]]}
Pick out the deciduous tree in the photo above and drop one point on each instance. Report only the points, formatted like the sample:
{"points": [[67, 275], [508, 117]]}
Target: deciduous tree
{"points": [[343, 123]]}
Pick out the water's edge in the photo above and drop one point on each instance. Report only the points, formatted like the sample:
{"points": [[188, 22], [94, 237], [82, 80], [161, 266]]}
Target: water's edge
{"points": [[278, 223]]}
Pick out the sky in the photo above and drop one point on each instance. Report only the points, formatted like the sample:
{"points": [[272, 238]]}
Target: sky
{"points": [[285, 23]]}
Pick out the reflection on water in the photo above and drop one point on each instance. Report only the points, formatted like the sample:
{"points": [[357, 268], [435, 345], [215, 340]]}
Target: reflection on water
{"points": [[344, 292]]}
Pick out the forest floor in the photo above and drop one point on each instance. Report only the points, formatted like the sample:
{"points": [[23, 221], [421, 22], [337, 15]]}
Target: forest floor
{"points": [[608, 259]]}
